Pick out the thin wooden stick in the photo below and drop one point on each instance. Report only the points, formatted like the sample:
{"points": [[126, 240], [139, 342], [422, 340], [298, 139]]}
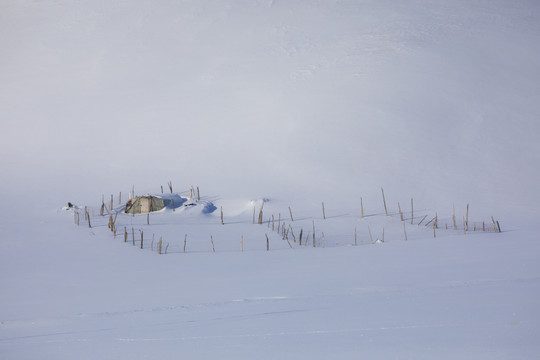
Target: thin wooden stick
{"points": [[212, 241], [267, 243], [185, 242], [404, 231], [400, 212], [313, 233], [323, 212], [221, 208], [141, 238], [430, 221], [300, 237], [261, 214], [370, 237], [422, 220], [412, 211], [467, 218], [290, 212], [384, 201], [454, 216], [288, 242], [355, 242]]}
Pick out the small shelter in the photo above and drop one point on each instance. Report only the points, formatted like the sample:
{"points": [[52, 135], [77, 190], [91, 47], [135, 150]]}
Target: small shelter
{"points": [[144, 204]]}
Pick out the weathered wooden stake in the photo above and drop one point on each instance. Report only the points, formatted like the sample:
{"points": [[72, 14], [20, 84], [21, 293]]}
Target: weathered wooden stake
{"points": [[141, 239], [125, 234], [288, 242], [412, 211], [261, 214], [454, 216], [292, 233], [212, 241], [133, 235], [467, 218], [267, 243], [313, 234], [290, 212], [405, 231], [300, 237], [400, 212], [148, 219], [355, 242], [384, 201], [323, 212], [221, 208], [198, 194], [160, 243], [494, 224]]}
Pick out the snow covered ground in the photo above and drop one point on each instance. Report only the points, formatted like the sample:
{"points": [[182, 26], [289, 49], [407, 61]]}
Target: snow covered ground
{"points": [[297, 103]]}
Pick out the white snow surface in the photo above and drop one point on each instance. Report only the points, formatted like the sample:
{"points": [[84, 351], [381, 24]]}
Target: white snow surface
{"points": [[291, 104]]}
